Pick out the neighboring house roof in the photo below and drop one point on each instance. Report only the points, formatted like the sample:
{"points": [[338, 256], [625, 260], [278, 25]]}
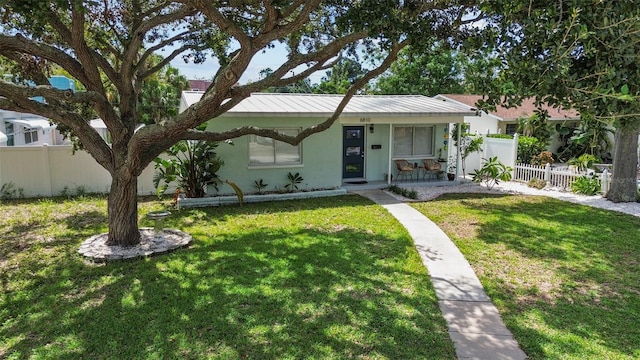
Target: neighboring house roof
{"points": [[199, 85], [526, 109], [99, 124], [33, 123], [279, 104]]}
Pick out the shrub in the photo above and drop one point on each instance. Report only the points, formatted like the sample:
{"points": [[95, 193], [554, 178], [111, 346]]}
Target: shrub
{"points": [[537, 183], [586, 185], [543, 158], [528, 148], [259, 185], [410, 194], [492, 172], [292, 181], [536, 126], [500, 136], [584, 161], [81, 191], [192, 165], [9, 191]]}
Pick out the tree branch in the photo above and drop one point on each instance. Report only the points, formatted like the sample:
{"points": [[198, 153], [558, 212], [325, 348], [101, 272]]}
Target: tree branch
{"points": [[290, 10], [155, 9], [163, 19], [274, 80], [82, 51], [154, 69], [20, 44], [210, 10], [148, 52], [9, 90], [320, 58], [295, 140], [96, 146]]}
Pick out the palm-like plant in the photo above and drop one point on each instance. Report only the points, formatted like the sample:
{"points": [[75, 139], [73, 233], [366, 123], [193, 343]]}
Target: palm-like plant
{"points": [[536, 126], [191, 164], [492, 172]]}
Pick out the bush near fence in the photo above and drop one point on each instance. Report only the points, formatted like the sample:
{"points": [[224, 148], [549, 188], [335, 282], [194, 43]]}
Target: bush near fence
{"points": [[556, 176]]}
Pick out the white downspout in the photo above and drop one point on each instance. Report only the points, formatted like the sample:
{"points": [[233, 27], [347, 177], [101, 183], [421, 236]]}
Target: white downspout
{"points": [[390, 154], [458, 154]]}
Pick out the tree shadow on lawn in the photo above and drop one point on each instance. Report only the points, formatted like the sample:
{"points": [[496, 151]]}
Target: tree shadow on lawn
{"points": [[570, 269], [265, 292]]}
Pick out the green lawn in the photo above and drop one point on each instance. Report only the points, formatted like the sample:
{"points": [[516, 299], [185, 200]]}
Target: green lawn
{"points": [[565, 277], [327, 278]]}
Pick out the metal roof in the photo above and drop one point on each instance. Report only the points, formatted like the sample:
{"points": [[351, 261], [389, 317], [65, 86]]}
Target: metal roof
{"points": [[277, 104]]}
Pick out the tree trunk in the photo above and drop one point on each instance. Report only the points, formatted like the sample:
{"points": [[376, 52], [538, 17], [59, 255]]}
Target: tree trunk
{"points": [[625, 163], [123, 209]]}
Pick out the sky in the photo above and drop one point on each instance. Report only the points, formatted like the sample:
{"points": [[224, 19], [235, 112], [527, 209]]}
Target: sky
{"points": [[271, 58]]}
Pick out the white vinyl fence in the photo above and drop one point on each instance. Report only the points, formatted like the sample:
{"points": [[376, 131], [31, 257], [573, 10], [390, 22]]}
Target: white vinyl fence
{"points": [[505, 149], [561, 177], [51, 170]]}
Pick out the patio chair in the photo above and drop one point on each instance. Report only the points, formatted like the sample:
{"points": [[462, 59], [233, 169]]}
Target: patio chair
{"points": [[431, 168], [404, 168]]}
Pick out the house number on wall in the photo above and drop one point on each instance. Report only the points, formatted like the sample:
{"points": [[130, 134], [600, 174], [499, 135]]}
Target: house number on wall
{"points": [[365, 120]]}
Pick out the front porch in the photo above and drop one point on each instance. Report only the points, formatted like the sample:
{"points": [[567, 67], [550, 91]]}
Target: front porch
{"points": [[351, 186]]}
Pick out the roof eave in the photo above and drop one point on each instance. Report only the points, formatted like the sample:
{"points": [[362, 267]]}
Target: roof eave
{"points": [[359, 114]]}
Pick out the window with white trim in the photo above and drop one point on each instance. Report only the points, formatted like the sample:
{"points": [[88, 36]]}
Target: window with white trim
{"points": [[413, 141], [30, 135], [265, 151]]}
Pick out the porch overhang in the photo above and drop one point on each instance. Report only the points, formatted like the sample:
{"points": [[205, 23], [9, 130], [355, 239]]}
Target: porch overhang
{"points": [[32, 123], [406, 120]]}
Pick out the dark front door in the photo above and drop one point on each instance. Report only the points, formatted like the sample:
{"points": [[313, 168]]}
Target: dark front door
{"points": [[353, 152]]}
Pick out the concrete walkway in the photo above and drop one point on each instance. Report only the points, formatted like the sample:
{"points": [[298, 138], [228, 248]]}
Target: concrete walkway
{"points": [[474, 323]]}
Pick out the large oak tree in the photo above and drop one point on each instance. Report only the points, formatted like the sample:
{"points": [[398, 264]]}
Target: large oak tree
{"points": [[579, 53], [108, 46]]}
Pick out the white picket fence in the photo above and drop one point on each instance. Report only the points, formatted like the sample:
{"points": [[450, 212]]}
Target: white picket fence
{"points": [[560, 177]]}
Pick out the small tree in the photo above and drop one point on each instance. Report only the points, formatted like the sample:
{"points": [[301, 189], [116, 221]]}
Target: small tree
{"points": [[536, 126], [469, 143]]}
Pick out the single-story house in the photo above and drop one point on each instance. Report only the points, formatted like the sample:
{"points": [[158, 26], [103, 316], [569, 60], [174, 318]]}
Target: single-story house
{"points": [[505, 120], [18, 129], [362, 144]]}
